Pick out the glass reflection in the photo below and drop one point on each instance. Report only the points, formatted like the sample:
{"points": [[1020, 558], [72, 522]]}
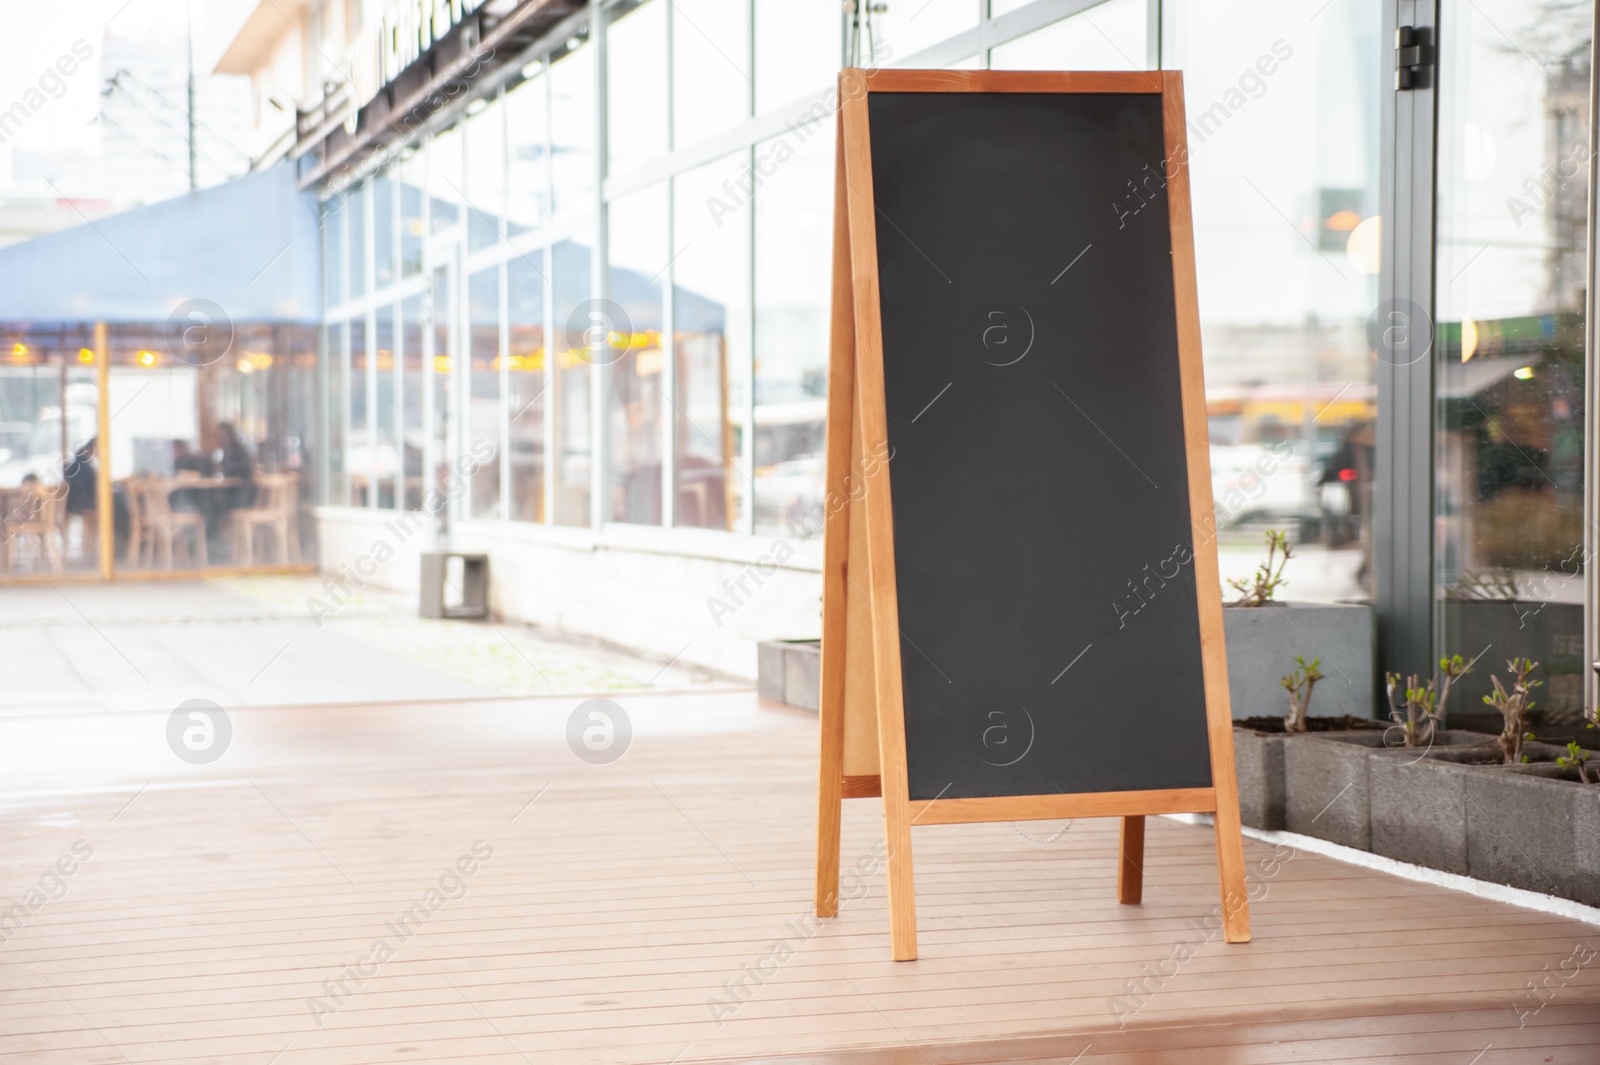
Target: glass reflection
{"points": [[636, 84], [572, 130], [1283, 157], [711, 85], [527, 129], [386, 457], [525, 384], [711, 341], [413, 438], [445, 181], [483, 390], [573, 378], [360, 460], [793, 267], [638, 256], [1513, 200], [486, 175]]}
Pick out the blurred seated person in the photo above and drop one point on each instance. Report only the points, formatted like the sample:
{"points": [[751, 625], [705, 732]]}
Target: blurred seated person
{"points": [[237, 462], [186, 459], [81, 477], [192, 500]]}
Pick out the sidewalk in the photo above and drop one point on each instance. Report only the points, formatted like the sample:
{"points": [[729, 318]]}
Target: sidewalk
{"points": [[461, 884], [75, 648]]}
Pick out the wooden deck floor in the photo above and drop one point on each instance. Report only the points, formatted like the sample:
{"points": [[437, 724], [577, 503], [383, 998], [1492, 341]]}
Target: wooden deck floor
{"points": [[254, 912]]}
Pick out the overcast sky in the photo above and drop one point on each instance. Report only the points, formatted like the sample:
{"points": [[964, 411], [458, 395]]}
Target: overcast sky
{"points": [[36, 35]]}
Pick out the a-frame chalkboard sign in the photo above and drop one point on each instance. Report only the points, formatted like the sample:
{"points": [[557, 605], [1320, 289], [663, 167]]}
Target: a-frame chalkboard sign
{"points": [[1022, 617]]}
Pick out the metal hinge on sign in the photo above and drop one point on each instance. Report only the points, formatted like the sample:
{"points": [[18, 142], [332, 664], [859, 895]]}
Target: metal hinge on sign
{"points": [[1413, 57]]}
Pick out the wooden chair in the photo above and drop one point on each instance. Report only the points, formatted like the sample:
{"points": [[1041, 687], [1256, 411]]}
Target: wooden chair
{"points": [[41, 526], [277, 509], [164, 526], [137, 523], [88, 522]]}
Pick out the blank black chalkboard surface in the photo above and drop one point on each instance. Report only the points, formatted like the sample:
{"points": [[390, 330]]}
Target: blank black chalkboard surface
{"points": [[1021, 606]]}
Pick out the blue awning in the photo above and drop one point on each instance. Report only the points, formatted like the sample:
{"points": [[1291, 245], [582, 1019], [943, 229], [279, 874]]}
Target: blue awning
{"points": [[251, 245]]}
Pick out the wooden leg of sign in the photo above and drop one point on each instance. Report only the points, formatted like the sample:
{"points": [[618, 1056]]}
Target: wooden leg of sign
{"points": [[836, 552], [902, 892], [1230, 866], [1130, 869], [830, 811], [1230, 835]]}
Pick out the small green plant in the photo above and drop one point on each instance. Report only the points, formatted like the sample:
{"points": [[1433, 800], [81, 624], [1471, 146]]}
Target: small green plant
{"points": [[1260, 588], [1298, 683], [1578, 758], [1420, 711], [1514, 706]]}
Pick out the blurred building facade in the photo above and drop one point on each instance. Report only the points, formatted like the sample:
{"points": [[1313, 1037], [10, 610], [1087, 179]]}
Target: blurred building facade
{"points": [[495, 180]]}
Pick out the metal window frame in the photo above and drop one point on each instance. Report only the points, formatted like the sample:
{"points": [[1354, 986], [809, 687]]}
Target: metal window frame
{"points": [[1591, 446], [1403, 493]]}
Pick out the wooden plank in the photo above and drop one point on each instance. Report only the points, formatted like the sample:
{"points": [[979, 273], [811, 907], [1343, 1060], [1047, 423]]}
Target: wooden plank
{"points": [[863, 787], [1130, 867], [1208, 584], [873, 428], [861, 679], [1054, 807], [608, 915], [1002, 81], [835, 549]]}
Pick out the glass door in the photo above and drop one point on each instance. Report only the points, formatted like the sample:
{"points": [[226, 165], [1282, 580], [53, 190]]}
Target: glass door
{"points": [[1512, 191]]}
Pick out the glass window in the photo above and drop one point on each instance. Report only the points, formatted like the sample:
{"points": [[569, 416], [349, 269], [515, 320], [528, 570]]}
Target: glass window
{"points": [[1283, 159], [336, 485], [797, 50], [444, 180], [413, 174], [1509, 378], [486, 176], [383, 220], [528, 127], [907, 28], [1110, 36], [483, 390], [571, 281], [356, 213], [413, 440], [333, 212], [386, 458], [358, 444], [711, 87], [444, 348], [793, 269], [711, 336], [632, 348], [525, 385], [636, 85], [572, 131]]}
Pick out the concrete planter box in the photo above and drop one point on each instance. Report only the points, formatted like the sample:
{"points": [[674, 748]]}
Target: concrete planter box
{"points": [[1418, 807], [1531, 826], [1258, 760], [1263, 642], [1534, 827], [1328, 782], [790, 672]]}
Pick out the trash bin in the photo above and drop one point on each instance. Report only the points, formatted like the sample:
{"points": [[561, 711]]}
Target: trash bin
{"points": [[471, 584]]}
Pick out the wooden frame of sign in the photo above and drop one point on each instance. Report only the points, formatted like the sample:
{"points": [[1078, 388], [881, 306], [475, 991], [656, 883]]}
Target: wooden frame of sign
{"points": [[863, 725]]}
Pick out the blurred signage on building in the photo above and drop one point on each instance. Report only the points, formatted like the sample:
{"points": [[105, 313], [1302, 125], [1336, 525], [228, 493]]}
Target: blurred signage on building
{"points": [[402, 35]]}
